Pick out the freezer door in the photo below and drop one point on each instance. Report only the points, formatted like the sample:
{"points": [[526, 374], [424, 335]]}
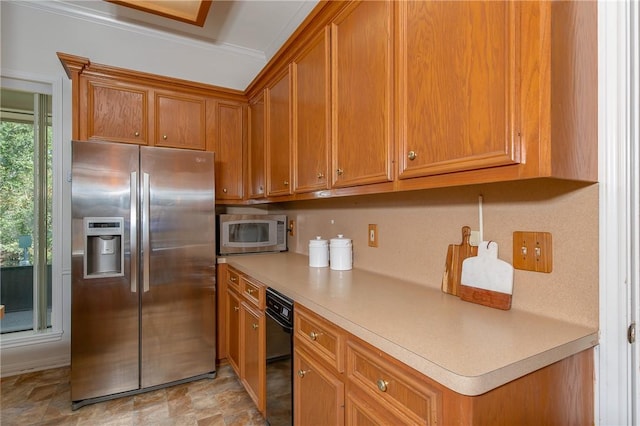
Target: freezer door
{"points": [[104, 310], [178, 264]]}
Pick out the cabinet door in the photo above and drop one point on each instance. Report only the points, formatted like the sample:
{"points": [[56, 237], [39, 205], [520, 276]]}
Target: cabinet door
{"points": [[115, 112], [362, 87], [311, 113], [318, 395], [256, 157], [229, 150], [362, 411], [222, 311], [278, 136], [180, 121], [457, 81], [233, 331], [254, 359]]}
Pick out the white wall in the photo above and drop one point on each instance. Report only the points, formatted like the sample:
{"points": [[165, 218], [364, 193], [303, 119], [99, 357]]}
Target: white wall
{"points": [[31, 36]]}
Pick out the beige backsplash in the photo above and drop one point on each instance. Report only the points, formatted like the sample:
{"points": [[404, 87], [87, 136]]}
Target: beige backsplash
{"points": [[415, 229]]}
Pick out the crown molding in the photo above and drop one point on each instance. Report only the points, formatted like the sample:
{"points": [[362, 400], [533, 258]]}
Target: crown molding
{"points": [[96, 17]]}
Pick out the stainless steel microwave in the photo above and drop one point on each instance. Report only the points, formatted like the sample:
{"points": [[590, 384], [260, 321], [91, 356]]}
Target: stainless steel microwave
{"points": [[251, 233]]}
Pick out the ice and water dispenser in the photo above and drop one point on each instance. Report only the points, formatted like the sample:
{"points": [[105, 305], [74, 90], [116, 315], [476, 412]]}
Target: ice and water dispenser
{"points": [[103, 247]]}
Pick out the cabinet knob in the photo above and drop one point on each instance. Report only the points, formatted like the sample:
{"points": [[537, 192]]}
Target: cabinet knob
{"points": [[255, 326], [320, 175], [285, 183], [136, 134], [339, 172], [261, 189], [224, 190], [164, 137], [250, 291], [412, 155], [236, 308], [382, 385], [314, 336], [233, 279], [302, 373]]}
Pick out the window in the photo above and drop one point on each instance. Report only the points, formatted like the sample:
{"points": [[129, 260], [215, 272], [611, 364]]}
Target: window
{"points": [[26, 184]]}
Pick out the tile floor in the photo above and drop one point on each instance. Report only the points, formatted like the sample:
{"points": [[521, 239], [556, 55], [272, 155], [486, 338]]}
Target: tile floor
{"points": [[43, 398]]}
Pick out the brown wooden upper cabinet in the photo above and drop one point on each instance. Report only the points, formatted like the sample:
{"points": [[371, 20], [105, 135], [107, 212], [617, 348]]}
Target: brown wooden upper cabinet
{"points": [[229, 148], [428, 94], [128, 123], [126, 106], [457, 76], [180, 120], [278, 110], [256, 156], [117, 111], [362, 82], [495, 91], [310, 75]]}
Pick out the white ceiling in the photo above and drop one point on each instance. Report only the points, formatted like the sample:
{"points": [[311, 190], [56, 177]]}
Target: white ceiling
{"points": [[252, 27]]}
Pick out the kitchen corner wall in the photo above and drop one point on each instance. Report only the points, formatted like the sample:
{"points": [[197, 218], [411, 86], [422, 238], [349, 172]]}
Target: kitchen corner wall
{"points": [[416, 227]]}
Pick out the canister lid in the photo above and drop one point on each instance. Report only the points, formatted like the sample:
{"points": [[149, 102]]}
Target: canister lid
{"points": [[318, 242], [340, 241]]}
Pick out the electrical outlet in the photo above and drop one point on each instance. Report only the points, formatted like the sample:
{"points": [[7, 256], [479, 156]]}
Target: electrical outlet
{"points": [[373, 235], [292, 227], [532, 251]]}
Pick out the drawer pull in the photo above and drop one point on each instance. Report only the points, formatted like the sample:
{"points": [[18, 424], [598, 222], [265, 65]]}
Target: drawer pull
{"points": [[314, 336], [382, 385], [250, 291], [302, 373], [255, 326], [236, 308], [233, 279]]}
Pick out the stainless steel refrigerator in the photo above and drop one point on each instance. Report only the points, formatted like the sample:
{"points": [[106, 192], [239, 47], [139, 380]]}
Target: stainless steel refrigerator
{"points": [[143, 269]]}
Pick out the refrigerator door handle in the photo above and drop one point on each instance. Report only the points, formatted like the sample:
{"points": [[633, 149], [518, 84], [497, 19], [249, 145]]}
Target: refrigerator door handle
{"points": [[146, 249], [133, 231]]}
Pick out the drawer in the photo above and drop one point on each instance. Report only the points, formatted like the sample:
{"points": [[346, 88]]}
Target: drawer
{"points": [[362, 410], [392, 384], [319, 336], [254, 292], [233, 279]]}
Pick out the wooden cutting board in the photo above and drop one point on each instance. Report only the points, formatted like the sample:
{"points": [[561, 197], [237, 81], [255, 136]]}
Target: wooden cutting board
{"points": [[456, 254], [487, 280]]}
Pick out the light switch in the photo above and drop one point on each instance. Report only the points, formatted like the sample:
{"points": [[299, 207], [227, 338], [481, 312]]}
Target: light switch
{"points": [[532, 251]]}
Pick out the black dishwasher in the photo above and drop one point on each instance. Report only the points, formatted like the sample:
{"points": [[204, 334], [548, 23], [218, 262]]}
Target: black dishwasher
{"points": [[279, 313]]}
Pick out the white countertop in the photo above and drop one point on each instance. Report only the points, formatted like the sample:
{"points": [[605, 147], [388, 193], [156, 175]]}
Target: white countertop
{"points": [[468, 348]]}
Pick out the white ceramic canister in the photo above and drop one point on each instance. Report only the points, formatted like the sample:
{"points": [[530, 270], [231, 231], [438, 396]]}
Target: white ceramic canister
{"points": [[341, 254], [318, 253]]}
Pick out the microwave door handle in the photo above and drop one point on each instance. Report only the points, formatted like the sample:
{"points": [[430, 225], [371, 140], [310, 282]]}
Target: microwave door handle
{"points": [[146, 246], [133, 230]]}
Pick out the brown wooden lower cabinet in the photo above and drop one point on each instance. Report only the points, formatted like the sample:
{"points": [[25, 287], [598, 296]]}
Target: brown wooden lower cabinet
{"points": [[245, 332], [253, 355], [340, 379], [380, 390], [362, 410], [318, 393], [395, 389], [233, 330]]}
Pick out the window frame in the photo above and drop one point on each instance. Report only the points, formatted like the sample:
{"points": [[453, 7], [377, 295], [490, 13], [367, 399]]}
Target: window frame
{"points": [[52, 86]]}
